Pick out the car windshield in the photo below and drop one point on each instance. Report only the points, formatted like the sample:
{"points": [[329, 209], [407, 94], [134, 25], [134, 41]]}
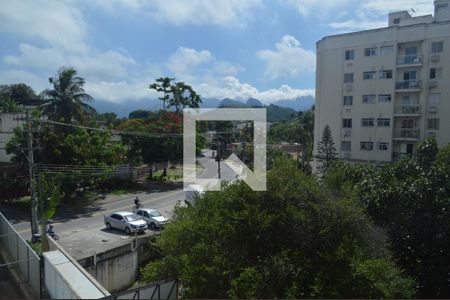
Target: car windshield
{"points": [[131, 218], [154, 213]]}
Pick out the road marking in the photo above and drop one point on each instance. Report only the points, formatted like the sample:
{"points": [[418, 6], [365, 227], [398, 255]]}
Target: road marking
{"points": [[116, 209]]}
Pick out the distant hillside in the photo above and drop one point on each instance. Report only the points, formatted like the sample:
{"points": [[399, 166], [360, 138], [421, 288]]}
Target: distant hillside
{"points": [[299, 104], [275, 113], [122, 109]]}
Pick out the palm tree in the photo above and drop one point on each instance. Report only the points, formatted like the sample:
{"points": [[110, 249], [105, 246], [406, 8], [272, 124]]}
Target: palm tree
{"points": [[67, 99]]}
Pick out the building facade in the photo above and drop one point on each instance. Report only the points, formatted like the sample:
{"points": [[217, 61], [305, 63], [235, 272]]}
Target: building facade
{"points": [[381, 91], [8, 122]]}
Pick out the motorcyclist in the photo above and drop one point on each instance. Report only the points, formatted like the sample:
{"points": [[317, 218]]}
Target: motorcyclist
{"points": [[50, 230], [137, 202]]}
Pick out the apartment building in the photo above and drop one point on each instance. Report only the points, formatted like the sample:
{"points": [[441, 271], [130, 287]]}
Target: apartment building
{"points": [[381, 91]]}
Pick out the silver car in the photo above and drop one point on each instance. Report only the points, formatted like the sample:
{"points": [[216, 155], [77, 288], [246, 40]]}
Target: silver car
{"points": [[125, 221], [153, 218]]}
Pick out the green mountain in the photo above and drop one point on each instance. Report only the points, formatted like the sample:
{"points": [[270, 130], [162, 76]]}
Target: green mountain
{"points": [[275, 113]]}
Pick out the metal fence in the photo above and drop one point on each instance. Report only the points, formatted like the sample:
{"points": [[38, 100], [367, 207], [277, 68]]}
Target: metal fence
{"points": [[23, 257], [161, 290]]}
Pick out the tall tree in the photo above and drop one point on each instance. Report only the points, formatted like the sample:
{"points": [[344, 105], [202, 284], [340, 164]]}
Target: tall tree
{"points": [[163, 85], [326, 150], [183, 95], [297, 240], [20, 93], [67, 99]]}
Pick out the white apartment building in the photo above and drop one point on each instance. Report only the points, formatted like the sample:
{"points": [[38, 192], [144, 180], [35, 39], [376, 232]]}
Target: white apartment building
{"points": [[8, 122], [381, 91]]}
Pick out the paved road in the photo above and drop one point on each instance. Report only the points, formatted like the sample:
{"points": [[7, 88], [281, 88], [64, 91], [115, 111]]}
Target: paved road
{"points": [[82, 231]]}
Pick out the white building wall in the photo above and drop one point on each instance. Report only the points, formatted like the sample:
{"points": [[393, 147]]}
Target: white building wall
{"points": [[8, 121], [330, 87]]}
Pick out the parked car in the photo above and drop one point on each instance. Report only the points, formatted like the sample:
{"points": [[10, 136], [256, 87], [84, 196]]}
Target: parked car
{"points": [[194, 191], [153, 217], [126, 221]]}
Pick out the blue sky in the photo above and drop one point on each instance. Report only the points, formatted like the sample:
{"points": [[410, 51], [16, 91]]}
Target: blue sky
{"points": [[224, 48]]}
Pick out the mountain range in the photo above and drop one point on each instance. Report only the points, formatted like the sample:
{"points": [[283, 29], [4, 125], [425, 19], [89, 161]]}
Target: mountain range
{"points": [[124, 108]]}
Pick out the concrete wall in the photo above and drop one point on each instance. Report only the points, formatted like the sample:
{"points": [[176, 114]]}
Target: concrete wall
{"points": [[66, 279], [118, 269]]}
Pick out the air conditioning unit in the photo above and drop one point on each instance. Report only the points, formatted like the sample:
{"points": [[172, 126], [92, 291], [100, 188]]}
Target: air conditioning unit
{"points": [[348, 87], [432, 109], [432, 83], [435, 57]]}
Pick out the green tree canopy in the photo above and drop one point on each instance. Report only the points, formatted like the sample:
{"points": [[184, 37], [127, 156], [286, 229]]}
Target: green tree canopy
{"points": [[410, 199], [296, 240]]}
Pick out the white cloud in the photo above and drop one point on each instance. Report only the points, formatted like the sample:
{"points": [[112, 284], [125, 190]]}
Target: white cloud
{"points": [[189, 65], [231, 87], [289, 59], [120, 91], [367, 14], [180, 12], [184, 62], [19, 76], [90, 64], [55, 22], [305, 7]]}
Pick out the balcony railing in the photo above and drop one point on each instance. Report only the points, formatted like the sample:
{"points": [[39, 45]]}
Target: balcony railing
{"points": [[407, 133], [408, 85], [407, 109], [411, 59]]}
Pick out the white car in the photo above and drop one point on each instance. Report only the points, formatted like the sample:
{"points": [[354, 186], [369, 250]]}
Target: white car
{"points": [[194, 191], [153, 218], [126, 221]]}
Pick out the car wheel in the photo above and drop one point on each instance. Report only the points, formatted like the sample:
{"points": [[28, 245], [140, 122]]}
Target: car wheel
{"points": [[152, 226], [108, 226], [127, 230]]}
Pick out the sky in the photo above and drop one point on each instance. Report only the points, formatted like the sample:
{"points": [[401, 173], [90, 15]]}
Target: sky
{"points": [[223, 48]]}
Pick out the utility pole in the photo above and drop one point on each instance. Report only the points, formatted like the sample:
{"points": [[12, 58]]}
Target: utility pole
{"points": [[34, 215], [218, 158]]}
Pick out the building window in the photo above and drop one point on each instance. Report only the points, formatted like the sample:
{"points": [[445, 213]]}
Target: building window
{"points": [[347, 123], [348, 100], [367, 146], [348, 77], [368, 98], [383, 146], [369, 75], [370, 51], [386, 74], [367, 122], [384, 98], [441, 6], [382, 122], [433, 124], [346, 146], [396, 21], [349, 54], [435, 73], [437, 47], [386, 50]]}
